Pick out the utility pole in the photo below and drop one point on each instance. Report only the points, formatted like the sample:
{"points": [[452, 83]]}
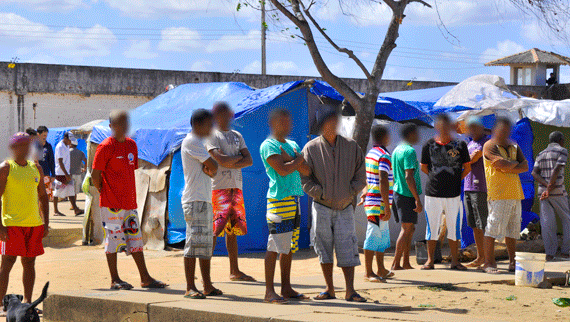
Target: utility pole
{"points": [[263, 48]]}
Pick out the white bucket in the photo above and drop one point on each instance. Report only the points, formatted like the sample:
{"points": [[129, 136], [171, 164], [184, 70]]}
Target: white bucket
{"points": [[529, 269]]}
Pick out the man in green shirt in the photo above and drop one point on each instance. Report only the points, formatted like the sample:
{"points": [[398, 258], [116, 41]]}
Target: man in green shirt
{"points": [[283, 165], [407, 189]]}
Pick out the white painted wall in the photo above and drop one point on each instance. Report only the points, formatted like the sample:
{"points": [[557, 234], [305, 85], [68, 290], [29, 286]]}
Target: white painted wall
{"points": [[59, 110]]}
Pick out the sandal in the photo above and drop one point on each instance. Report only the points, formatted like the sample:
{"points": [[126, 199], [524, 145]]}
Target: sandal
{"points": [[278, 300], [155, 284], [375, 279], [298, 297], [324, 296], [121, 286], [458, 267], [195, 295], [490, 270], [390, 274], [355, 297], [215, 292], [427, 267]]}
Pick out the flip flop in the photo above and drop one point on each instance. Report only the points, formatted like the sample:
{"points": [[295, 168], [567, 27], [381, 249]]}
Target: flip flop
{"points": [[278, 300], [474, 265], [59, 214], [458, 267], [121, 286], [490, 270], [155, 284], [390, 274], [215, 292], [324, 296], [376, 279], [298, 297], [195, 296], [243, 278], [355, 297], [427, 267]]}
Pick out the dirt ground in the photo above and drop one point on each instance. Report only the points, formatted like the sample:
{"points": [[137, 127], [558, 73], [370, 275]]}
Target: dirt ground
{"points": [[84, 267]]}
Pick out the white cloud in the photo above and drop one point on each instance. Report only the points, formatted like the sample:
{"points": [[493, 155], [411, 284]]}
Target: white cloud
{"points": [[538, 33], [251, 40], [252, 68], [337, 68], [48, 5], [140, 50], [504, 48], [179, 39], [274, 68], [179, 8], [70, 42], [201, 66]]}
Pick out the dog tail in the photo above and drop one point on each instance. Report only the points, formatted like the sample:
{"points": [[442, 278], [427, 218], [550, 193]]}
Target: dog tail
{"points": [[41, 298]]}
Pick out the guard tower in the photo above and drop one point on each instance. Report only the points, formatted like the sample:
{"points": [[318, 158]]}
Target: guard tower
{"points": [[532, 67]]}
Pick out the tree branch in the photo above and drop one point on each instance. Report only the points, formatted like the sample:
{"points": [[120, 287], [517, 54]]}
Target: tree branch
{"points": [[389, 41], [350, 53], [422, 2], [297, 17], [391, 4]]}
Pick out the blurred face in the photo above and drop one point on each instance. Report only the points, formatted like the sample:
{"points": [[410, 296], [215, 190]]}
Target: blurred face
{"points": [[475, 131], [205, 128], [120, 126], [43, 137], [386, 140], [20, 151], [413, 138], [443, 127], [502, 132], [281, 125], [330, 127], [224, 118]]}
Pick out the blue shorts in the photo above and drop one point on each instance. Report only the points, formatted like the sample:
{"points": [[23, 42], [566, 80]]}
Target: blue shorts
{"points": [[377, 237]]}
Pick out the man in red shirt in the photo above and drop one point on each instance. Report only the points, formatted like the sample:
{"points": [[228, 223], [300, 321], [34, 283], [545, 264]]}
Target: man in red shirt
{"points": [[114, 176]]}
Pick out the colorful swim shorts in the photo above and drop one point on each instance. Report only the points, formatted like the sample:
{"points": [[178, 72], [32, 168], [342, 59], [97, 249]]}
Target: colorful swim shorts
{"points": [[229, 212], [122, 231]]}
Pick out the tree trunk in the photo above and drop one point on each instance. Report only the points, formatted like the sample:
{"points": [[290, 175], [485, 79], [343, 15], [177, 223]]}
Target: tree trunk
{"points": [[364, 118]]}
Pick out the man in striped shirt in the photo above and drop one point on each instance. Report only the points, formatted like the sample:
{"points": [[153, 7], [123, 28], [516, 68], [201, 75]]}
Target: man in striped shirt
{"points": [[377, 199], [549, 173]]}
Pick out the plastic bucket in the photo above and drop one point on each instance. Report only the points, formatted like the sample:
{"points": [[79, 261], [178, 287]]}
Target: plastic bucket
{"points": [[529, 269]]}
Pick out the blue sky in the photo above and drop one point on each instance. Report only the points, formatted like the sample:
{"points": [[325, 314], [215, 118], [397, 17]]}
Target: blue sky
{"points": [[210, 35]]}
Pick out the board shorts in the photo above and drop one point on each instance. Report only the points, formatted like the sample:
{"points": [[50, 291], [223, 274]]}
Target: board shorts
{"points": [[48, 182], [122, 231], [63, 190], [283, 222], [504, 219], [77, 183], [435, 208], [229, 212], [377, 230], [476, 209], [23, 241], [403, 209], [334, 232], [199, 232]]}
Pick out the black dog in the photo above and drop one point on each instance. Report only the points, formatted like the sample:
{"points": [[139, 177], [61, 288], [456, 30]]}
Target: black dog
{"points": [[22, 312]]}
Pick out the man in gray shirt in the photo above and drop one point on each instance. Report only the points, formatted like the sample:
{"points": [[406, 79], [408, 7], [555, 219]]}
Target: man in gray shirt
{"points": [[549, 173], [338, 175], [227, 147]]}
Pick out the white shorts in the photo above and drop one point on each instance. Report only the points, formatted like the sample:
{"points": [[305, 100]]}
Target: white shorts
{"points": [[435, 208], [504, 219]]}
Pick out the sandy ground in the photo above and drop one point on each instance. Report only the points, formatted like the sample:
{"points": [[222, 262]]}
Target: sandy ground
{"points": [[84, 267]]}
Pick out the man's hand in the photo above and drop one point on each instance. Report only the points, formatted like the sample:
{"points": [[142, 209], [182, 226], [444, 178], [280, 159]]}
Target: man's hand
{"points": [[362, 199], [545, 195], [286, 157], [387, 214], [46, 230], [3, 233], [209, 172], [419, 207], [67, 179]]}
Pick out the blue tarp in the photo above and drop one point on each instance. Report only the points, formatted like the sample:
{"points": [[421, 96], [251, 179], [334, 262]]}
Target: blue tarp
{"points": [[253, 125], [56, 134], [160, 125], [425, 99], [393, 108], [523, 135]]}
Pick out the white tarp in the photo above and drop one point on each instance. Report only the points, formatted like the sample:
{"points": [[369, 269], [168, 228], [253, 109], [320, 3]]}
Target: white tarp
{"points": [[488, 94]]}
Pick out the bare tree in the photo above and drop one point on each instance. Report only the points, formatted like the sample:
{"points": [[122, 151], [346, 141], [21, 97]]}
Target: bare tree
{"points": [[553, 12]]}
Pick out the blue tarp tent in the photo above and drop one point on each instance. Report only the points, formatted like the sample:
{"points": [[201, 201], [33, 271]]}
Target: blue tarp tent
{"points": [[425, 99], [56, 134], [160, 125]]}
